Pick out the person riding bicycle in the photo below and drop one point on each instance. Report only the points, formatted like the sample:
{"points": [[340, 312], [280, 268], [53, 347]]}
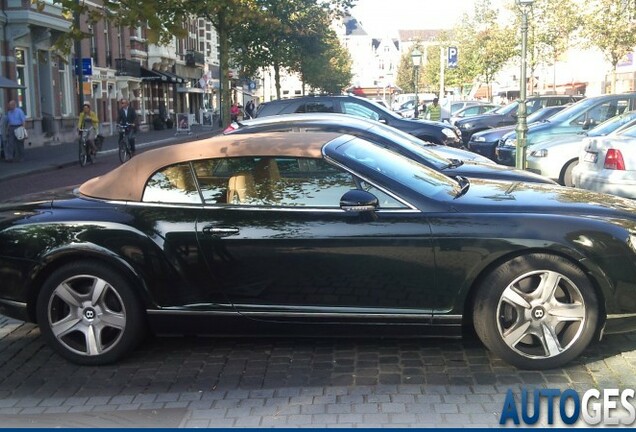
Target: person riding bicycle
{"points": [[88, 122], [127, 116]]}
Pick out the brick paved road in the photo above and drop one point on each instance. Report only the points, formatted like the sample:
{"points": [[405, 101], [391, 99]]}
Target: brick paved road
{"points": [[216, 382]]}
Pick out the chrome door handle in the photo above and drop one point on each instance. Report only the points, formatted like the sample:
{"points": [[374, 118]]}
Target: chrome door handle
{"points": [[212, 230]]}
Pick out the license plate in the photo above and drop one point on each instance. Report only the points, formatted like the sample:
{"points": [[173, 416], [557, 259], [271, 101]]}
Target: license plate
{"points": [[590, 157]]}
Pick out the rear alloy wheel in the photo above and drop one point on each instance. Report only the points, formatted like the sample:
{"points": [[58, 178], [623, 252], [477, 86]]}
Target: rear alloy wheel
{"points": [[536, 312], [89, 314]]}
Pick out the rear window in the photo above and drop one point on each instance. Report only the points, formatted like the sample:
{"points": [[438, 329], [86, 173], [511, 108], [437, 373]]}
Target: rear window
{"points": [[317, 106]]}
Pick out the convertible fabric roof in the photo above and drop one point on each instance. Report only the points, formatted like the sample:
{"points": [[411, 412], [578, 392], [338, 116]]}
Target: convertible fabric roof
{"points": [[127, 182]]}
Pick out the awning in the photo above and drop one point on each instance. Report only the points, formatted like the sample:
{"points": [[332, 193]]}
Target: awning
{"points": [[8, 83], [182, 89], [153, 75], [172, 77]]}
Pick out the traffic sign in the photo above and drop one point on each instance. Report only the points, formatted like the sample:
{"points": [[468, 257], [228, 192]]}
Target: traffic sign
{"points": [[452, 57], [87, 66]]}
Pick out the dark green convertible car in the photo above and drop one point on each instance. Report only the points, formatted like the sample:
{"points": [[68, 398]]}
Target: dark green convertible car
{"points": [[317, 233]]}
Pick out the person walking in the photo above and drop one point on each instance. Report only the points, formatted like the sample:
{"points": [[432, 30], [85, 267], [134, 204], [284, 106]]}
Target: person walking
{"points": [[434, 111], [14, 150], [128, 115], [89, 122]]}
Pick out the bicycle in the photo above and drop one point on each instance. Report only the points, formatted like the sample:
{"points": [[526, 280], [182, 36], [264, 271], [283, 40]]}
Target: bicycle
{"points": [[125, 152], [86, 151]]}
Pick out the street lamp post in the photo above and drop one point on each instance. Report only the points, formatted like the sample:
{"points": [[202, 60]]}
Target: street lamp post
{"points": [[416, 56], [522, 124]]}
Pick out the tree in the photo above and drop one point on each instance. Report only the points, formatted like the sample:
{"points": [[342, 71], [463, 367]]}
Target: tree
{"points": [[610, 27], [164, 20]]}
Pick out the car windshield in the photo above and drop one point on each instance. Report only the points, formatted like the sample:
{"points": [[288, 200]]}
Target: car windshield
{"points": [[573, 111], [612, 124], [410, 143], [394, 167], [629, 132], [542, 114], [504, 110]]}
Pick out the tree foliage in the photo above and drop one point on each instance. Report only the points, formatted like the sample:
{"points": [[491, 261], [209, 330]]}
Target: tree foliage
{"points": [[609, 26], [234, 20]]}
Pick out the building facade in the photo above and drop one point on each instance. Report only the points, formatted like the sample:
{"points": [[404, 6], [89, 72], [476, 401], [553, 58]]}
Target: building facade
{"points": [[117, 62]]}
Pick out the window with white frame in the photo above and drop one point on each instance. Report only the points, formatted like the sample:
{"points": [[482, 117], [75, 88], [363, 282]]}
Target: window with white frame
{"points": [[64, 87], [22, 77]]}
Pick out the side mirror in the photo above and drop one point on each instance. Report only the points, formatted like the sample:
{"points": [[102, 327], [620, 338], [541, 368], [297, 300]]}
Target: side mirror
{"points": [[357, 200], [587, 123]]}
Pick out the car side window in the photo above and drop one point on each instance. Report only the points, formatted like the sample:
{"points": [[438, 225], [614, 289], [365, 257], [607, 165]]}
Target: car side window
{"points": [[316, 106], [174, 184], [359, 110], [602, 112]]}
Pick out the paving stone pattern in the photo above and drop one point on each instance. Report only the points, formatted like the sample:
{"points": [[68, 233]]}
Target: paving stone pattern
{"points": [[289, 382]]}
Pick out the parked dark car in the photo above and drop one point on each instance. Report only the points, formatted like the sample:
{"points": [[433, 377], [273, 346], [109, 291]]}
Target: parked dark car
{"points": [[581, 116], [435, 132], [317, 233], [447, 160], [485, 142], [507, 115]]}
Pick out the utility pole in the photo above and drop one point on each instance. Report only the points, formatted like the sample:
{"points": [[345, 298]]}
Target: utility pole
{"points": [[79, 65]]}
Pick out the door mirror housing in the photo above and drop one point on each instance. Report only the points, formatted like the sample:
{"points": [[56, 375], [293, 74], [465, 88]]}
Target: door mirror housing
{"points": [[357, 200]]}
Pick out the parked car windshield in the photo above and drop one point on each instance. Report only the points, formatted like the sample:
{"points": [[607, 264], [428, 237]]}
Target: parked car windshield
{"points": [[629, 132], [504, 110], [398, 168]]}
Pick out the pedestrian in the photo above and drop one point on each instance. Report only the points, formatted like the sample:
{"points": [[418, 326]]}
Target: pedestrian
{"points": [[249, 109], [14, 150], [127, 116], [234, 112], [434, 111], [89, 122]]}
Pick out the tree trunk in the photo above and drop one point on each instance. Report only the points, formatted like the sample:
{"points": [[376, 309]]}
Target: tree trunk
{"points": [[277, 78], [224, 69]]}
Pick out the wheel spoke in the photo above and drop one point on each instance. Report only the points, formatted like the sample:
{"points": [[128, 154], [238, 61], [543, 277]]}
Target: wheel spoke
{"points": [[68, 295], [568, 312], [512, 296], [98, 289], [548, 285], [515, 334], [550, 341], [115, 320], [93, 344], [65, 326]]}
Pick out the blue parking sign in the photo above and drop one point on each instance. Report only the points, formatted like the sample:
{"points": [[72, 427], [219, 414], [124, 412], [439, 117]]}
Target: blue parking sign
{"points": [[452, 57]]}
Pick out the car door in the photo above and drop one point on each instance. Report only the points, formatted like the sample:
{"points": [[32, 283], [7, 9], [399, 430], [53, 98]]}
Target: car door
{"points": [[281, 245]]}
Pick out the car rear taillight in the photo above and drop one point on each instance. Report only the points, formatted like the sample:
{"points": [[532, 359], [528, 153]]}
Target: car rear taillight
{"points": [[614, 160]]}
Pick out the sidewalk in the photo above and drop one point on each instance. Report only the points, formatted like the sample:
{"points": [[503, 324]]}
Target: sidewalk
{"points": [[51, 157]]}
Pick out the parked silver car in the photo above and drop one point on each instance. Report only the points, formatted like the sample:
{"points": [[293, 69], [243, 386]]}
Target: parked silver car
{"points": [[608, 164], [557, 158]]}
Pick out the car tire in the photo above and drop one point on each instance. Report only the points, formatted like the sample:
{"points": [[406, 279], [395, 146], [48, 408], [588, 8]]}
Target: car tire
{"points": [[89, 313], [566, 177], [536, 311]]}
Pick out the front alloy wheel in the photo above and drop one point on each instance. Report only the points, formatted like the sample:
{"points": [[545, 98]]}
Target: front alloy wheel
{"points": [[536, 312], [89, 314]]}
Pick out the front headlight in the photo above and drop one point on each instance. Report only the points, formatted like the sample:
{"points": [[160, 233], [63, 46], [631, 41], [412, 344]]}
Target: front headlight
{"points": [[466, 126], [539, 153], [512, 142], [449, 133], [478, 139]]}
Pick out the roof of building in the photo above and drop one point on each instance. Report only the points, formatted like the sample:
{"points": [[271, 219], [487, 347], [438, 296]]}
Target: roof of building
{"points": [[421, 35]]}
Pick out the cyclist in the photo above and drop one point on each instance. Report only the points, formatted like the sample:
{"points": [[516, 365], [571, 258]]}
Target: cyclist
{"points": [[88, 121], [127, 116]]}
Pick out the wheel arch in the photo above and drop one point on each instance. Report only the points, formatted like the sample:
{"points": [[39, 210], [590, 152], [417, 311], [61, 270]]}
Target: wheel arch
{"points": [[592, 274], [63, 257], [564, 169]]}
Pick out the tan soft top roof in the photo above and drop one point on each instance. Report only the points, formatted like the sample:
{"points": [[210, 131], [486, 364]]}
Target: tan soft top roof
{"points": [[127, 182]]}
